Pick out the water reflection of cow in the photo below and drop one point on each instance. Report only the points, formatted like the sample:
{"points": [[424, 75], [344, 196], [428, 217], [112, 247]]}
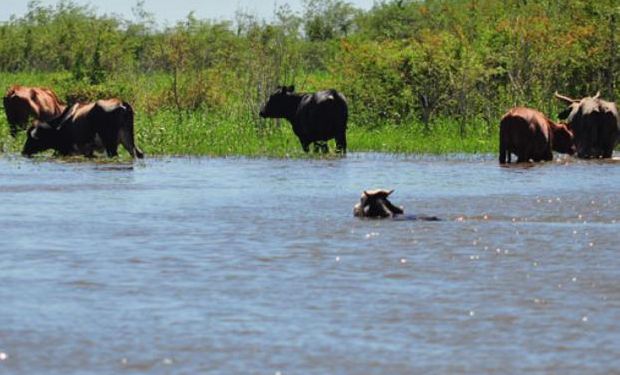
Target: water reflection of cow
{"points": [[84, 128], [21, 103], [594, 122], [316, 117], [374, 204], [530, 135]]}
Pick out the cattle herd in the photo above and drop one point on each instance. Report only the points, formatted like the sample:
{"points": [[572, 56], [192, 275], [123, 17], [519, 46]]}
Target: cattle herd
{"points": [[591, 127], [591, 130], [78, 129]]}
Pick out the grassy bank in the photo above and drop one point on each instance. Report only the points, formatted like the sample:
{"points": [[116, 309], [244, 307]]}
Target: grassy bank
{"points": [[199, 135], [232, 128]]}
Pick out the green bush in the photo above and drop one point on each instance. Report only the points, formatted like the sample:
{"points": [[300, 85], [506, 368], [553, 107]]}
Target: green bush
{"points": [[435, 68]]}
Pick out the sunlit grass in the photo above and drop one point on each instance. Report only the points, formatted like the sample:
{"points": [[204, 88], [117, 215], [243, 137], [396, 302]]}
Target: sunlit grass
{"points": [[201, 134], [231, 131]]}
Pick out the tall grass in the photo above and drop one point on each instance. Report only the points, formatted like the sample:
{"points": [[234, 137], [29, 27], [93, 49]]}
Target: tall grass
{"points": [[227, 130], [420, 76], [201, 134]]}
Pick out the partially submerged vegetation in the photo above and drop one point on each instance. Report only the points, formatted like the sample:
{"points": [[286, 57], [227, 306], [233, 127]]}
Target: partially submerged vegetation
{"points": [[430, 77]]}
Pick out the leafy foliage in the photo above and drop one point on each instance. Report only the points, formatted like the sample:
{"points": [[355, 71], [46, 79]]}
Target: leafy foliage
{"points": [[403, 63]]}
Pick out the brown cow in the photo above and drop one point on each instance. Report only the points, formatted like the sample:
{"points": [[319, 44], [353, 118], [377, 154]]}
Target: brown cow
{"points": [[595, 123], [84, 128], [21, 103], [531, 136]]}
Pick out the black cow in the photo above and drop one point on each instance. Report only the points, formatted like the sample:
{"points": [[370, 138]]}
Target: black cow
{"points": [[315, 117], [84, 128], [595, 124]]}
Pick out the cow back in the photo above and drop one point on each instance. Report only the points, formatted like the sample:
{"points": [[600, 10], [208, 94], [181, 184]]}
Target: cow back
{"points": [[321, 115], [20, 102]]}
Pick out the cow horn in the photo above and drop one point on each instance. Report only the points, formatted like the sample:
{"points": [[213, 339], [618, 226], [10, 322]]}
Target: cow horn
{"points": [[598, 93], [564, 98]]}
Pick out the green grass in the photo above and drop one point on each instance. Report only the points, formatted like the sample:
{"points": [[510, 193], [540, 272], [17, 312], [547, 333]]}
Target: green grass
{"points": [[200, 134], [226, 131], [214, 135]]}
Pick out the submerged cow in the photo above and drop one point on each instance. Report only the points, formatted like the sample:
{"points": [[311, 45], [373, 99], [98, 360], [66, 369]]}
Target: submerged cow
{"points": [[84, 128], [21, 103], [530, 135], [594, 122], [376, 205], [315, 117]]}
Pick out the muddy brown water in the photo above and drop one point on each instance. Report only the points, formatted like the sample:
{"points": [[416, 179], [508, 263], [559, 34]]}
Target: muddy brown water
{"points": [[257, 266]]}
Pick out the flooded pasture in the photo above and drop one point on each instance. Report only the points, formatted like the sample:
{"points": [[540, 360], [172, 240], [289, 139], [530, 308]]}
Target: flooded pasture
{"points": [[257, 266]]}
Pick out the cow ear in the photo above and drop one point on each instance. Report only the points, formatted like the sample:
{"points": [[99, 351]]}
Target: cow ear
{"points": [[366, 194], [33, 133]]}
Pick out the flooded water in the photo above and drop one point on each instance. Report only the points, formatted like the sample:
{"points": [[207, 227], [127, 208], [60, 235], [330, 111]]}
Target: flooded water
{"points": [[257, 266]]}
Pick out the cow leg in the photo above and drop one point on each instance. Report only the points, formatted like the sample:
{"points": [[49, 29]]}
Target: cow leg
{"points": [[14, 128], [523, 157], [317, 146], [87, 150], [109, 141], [111, 150], [305, 146], [341, 143], [526, 153], [502, 154], [607, 149]]}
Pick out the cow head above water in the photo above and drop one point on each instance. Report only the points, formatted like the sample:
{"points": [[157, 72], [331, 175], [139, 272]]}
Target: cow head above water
{"points": [[41, 136], [573, 105], [278, 105], [375, 204]]}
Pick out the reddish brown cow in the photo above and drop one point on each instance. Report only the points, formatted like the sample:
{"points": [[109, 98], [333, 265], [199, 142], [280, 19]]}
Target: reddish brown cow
{"points": [[530, 135], [20, 103]]}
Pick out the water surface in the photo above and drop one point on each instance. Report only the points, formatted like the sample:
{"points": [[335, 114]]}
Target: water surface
{"points": [[256, 266]]}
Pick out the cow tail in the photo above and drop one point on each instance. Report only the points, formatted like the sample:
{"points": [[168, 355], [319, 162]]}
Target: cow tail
{"points": [[129, 141], [345, 112]]}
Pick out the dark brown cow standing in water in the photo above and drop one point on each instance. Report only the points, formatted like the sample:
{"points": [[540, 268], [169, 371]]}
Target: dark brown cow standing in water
{"points": [[21, 103], [530, 135], [84, 128], [595, 123]]}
